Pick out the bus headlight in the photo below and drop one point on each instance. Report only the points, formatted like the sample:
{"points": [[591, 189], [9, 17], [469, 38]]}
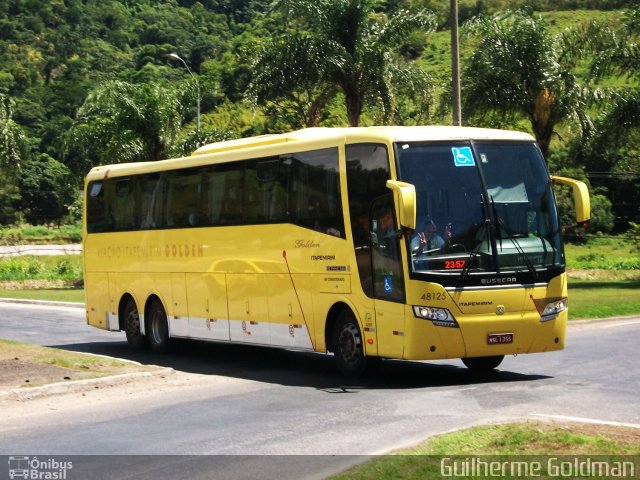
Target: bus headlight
{"points": [[439, 316], [552, 309]]}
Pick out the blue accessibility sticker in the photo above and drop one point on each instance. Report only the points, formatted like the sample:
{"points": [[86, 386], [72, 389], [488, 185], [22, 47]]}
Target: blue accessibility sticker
{"points": [[463, 157], [388, 284]]}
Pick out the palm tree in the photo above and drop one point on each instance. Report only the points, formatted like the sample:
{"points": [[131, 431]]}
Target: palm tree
{"points": [[13, 143], [617, 51], [123, 122], [13, 152], [338, 46], [518, 69], [610, 149], [288, 78]]}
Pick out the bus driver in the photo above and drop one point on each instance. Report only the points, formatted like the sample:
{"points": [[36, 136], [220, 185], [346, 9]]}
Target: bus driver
{"points": [[427, 241]]}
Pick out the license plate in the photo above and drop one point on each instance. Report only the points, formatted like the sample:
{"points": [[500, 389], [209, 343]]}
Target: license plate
{"points": [[500, 338]]}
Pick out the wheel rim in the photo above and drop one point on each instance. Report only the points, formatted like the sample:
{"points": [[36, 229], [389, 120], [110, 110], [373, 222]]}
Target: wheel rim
{"points": [[133, 322], [350, 344], [157, 328]]}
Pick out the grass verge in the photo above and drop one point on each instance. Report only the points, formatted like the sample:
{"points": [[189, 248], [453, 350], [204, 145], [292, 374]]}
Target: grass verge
{"points": [[22, 364], [62, 294], [515, 440], [66, 268], [603, 298]]}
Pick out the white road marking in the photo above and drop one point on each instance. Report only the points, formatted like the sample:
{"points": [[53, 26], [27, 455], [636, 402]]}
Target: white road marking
{"points": [[584, 420]]}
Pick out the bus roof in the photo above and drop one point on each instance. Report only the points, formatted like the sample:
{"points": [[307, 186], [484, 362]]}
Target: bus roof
{"points": [[314, 135], [393, 133]]}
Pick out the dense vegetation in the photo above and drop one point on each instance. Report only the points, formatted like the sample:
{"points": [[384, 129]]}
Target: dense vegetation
{"points": [[84, 82]]}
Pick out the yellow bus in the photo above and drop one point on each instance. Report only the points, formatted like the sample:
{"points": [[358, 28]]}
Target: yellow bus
{"points": [[409, 243]]}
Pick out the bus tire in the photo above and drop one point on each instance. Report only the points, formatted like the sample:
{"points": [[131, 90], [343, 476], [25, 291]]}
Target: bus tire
{"points": [[157, 327], [131, 316], [482, 364], [348, 348]]}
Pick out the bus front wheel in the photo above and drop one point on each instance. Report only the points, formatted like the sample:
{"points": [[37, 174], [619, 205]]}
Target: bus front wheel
{"points": [[135, 338], [347, 346], [482, 364], [157, 328]]}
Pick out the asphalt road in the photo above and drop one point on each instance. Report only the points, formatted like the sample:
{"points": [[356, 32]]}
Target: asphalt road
{"points": [[256, 401]]}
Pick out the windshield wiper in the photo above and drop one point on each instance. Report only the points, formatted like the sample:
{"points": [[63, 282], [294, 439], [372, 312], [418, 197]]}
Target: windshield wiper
{"points": [[514, 239], [474, 253]]}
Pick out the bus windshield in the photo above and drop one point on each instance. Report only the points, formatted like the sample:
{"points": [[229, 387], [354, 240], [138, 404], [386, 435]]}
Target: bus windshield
{"points": [[483, 207]]}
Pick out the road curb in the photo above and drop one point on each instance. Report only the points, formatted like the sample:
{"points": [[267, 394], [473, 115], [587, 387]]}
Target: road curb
{"points": [[79, 386], [40, 250], [44, 303], [589, 321]]}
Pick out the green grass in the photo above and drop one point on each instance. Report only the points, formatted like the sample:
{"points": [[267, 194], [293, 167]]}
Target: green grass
{"points": [[54, 267], [40, 235], [506, 442], [603, 253], [603, 298], [49, 294]]}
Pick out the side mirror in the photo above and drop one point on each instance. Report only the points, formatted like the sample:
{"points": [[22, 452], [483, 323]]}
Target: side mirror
{"points": [[580, 198], [404, 196]]}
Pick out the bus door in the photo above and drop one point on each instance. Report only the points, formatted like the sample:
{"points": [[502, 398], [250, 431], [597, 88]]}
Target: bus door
{"points": [[387, 278], [380, 306]]}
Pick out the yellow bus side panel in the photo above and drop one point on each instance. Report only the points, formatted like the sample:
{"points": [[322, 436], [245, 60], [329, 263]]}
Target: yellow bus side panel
{"points": [[179, 316], [390, 329], [248, 314], [290, 315], [207, 305], [97, 299]]}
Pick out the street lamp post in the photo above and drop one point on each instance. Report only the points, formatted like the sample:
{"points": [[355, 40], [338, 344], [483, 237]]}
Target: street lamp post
{"points": [[175, 56]]}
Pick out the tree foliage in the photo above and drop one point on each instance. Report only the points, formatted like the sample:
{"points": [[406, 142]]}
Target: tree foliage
{"points": [[517, 67], [47, 190], [13, 152], [610, 148], [13, 143], [122, 122], [334, 46]]}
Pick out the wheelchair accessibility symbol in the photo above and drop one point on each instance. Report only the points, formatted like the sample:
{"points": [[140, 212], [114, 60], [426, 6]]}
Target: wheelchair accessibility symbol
{"points": [[388, 284], [463, 157]]}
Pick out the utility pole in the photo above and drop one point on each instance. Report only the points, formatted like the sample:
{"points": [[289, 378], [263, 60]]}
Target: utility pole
{"points": [[455, 64]]}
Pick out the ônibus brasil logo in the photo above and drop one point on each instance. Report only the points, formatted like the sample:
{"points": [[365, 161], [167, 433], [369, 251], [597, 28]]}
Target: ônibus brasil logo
{"points": [[38, 469]]}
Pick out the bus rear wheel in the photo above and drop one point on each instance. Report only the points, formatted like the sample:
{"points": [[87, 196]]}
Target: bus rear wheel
{"points": [[348, 348], [482, 364], [157, 328], [135, 338]]}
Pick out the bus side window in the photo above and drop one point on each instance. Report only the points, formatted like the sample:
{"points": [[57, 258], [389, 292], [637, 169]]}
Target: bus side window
{"points": [[123, 205], [231, 197], [149, 201], [97, 212], [315, 191], [183, 198]]}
